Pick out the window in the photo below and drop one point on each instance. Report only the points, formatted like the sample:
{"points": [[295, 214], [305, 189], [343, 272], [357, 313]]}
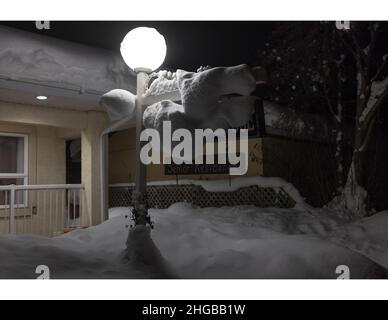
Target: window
{"points": [[13, 162]]}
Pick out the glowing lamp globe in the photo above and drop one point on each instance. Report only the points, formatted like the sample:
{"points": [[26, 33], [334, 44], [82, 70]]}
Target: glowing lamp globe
{"points": [[143, 49]]}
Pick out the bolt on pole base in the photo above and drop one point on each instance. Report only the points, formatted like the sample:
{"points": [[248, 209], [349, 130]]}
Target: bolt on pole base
{"points": [[140, 210]]}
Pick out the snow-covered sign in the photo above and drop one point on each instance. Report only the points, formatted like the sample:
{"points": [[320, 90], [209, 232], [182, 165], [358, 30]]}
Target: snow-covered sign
{"points": [[215, 98], [268, 117], [193, 169]]}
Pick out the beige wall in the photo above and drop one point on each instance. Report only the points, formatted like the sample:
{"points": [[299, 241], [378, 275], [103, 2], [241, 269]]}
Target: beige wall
{"points": [[46, 153], [122, 161], [90, 145], [48, 129], [46, 165]]}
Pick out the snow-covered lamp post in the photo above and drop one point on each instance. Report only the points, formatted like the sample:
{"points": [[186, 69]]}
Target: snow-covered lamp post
{"points": [[143, 50]]}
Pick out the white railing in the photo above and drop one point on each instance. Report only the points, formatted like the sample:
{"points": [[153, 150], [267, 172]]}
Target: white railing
{"points": [[46, 210]]}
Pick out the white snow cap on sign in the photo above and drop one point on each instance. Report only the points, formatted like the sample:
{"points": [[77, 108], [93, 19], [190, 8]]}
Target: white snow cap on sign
{"points": [[214, 98], [162, 82], [118, 104]]}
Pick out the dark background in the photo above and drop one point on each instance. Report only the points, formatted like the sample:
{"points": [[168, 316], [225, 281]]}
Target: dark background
{"points": [[190, 44]]}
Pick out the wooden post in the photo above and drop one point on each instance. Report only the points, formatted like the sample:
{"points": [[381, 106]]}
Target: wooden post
{"points": [[12, 225]]}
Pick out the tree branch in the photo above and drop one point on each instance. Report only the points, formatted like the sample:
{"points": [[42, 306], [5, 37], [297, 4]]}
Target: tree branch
{"points": [[368, 134], [374, 109], [381, 69], [359, 53], [373, 28], [347, 45]]}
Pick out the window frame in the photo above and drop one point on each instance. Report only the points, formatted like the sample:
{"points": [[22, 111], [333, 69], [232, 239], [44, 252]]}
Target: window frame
{"points": [[23, 175]]}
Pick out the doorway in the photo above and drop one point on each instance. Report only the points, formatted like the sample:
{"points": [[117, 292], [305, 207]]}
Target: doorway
{"points": [[73, 176]]}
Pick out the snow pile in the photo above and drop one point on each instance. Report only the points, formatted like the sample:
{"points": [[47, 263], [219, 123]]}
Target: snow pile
{"points": [[214, 98], [83, 254], [248, 242], [240, 182], [284, 121], [367, 236], [31, 57], [165, 82], [351, 202], [233, 242], [118, 104]]}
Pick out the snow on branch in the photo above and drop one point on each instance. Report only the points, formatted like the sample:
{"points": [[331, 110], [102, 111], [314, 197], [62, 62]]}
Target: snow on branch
{"points": [[379, 90]]}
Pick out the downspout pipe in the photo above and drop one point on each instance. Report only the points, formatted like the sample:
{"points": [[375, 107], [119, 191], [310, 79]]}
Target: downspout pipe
{"points": [[112, 128]]}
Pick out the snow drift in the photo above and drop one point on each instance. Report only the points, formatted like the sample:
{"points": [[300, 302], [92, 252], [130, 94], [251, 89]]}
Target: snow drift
{"points": [[234, 242], [214, 98]]}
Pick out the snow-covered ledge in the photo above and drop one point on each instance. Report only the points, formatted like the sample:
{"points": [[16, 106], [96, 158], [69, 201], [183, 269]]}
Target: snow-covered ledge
{"points": [[31, 61]]}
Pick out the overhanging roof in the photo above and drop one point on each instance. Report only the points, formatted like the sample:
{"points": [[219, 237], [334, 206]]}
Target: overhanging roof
{"points": [[73, 76]]}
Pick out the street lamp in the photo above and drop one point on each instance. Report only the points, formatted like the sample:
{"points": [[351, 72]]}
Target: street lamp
{"points": [[143, 50]]}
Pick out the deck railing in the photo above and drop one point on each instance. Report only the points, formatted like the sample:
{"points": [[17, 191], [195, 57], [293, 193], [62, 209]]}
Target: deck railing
{"points": [[46, 210]]}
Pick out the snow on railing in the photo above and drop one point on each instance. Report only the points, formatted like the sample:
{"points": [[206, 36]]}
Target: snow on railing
{"points": [[46, 210]]}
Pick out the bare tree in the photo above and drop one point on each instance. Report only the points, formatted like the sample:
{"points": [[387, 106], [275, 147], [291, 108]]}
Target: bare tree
{"points": [[318, 68], [372, 89]]}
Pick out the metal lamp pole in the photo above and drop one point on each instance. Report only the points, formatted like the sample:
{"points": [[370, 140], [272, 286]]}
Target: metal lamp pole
{"points": [[140, 193], [143, 50]]}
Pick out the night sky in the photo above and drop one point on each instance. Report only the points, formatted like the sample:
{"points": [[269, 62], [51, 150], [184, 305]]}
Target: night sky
{"points": [[190, 44]]}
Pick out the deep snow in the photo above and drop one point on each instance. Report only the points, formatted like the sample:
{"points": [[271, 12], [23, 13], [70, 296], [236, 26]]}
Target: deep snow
{"points": [[209, 100], [229, 242]]}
